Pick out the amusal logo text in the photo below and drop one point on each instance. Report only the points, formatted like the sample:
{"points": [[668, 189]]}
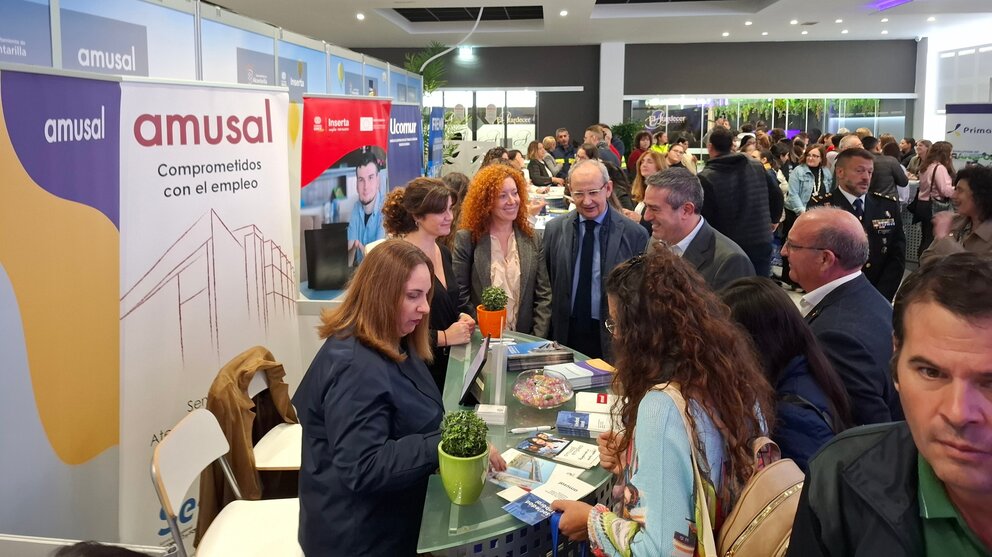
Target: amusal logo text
{"points": [[151, 130], [106, 60], [64, 130]]}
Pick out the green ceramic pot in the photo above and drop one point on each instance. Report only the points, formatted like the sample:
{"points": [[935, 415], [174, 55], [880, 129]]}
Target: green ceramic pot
{"points": [[463, 478]]}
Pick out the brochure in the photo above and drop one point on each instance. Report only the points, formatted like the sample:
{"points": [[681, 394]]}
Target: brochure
{"points": [[589, 374], [573, 453], [535, 506], [527, 472]]}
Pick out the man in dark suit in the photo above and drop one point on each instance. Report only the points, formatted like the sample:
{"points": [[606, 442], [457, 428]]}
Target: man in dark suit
{"points": [[580, 249], [672, 201], [852, 322], [888, 173], [879, 215]]}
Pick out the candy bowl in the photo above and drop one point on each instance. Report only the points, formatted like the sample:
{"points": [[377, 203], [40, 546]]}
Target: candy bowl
{"points": [[541, 388]]}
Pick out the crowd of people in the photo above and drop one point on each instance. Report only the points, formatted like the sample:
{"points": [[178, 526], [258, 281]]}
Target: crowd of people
{"points": [[663, 267]]}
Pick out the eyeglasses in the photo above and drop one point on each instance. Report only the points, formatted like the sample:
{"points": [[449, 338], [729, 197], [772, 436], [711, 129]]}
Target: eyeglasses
{"points": [[789, 245], [580, 195], [610, 325]]}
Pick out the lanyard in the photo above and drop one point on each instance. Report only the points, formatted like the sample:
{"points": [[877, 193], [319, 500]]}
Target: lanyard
{"points": [[555, 518]]}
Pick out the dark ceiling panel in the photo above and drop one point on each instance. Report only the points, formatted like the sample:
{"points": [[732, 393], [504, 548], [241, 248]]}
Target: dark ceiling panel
{"points": [[491, 13]]}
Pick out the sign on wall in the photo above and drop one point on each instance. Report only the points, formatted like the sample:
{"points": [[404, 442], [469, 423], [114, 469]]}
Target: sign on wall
{"points": [[969, 129], [406, 144]]}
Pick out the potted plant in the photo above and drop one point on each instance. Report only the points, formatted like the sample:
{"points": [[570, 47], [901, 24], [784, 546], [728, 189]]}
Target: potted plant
{"points": [[492, 312], [463, 455]]}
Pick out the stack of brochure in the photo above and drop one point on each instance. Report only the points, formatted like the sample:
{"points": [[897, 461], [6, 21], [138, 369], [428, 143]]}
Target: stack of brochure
{"points": [[590, 374], [559, 449], [592, 416], [531, 484], [535, 355], [492, 414]]}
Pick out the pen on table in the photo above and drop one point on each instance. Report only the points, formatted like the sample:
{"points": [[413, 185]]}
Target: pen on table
{"points": [[532, 429]]}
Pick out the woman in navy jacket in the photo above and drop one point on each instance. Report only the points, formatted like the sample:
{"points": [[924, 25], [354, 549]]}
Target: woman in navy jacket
{"points": [[812, 404], [370, 412]]}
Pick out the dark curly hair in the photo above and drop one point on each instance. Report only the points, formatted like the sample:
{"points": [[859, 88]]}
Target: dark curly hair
{"points": [[477, 209], [672, 328], [420, 196]]}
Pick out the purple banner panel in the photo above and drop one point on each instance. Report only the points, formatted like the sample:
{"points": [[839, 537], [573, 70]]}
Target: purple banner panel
{"points": [[66, 133], [406, 144]]}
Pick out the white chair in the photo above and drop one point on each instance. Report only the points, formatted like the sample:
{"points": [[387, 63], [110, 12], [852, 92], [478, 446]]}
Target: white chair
{"points": [[243, 528], [281, 447]]}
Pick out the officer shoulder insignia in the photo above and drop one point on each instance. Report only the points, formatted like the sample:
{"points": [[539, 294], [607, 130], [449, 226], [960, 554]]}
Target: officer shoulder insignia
{"points": [[883, 196]]}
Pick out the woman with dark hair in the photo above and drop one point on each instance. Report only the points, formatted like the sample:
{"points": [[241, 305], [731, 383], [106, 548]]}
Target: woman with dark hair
{"points": [[936, 187], [813, 404], [516, 159], [494, 154], [497, 246], [370, 411], [458, 183], [420, 213], [642, 143], [971, 229], [587, 151], [540, 175], [916, 163], [621, 187], [892, 150], [670, 329]]}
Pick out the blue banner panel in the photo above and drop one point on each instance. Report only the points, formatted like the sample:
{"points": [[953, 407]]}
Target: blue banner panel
{"points": [[98, 44]]}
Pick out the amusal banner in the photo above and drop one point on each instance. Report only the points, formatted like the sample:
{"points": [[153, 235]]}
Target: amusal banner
{"points": [[406, 144], [59, 267], [344, 174], [207, 264], [969, 129]]}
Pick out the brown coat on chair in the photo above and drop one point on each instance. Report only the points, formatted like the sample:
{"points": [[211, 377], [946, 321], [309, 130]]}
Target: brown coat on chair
{"points": [[236, 413]]}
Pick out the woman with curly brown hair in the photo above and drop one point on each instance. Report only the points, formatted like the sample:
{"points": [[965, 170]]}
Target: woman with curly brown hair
{"points": [[669, 328], [497, 246], [420, 213]]}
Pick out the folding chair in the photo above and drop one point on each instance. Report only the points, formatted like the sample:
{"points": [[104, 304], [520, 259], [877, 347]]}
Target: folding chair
{"points": [[243, 528]]}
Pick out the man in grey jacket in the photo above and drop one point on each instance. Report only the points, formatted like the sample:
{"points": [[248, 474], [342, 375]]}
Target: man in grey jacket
{"points": [[888, 172], [672, 201]]}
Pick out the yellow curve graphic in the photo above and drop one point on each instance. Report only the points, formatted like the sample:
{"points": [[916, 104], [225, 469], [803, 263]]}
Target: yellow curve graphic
{"points": [[63, 260]]}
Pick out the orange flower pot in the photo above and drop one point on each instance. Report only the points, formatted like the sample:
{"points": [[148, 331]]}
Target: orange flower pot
{"points": [[491, 323]]}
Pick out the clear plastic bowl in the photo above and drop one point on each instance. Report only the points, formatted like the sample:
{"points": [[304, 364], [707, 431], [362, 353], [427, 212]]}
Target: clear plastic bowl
{"points": [[541, 388]]}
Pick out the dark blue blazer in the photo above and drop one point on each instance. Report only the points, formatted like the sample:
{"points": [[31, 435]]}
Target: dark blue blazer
{"points": [[853, 325], [370, 436], [800, 429]]}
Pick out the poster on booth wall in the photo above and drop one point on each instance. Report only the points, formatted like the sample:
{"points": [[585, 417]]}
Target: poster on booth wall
{"points": [[207, 264], [969, 129], [344, 176], [59, 262], [435, 142], [406, 144]]}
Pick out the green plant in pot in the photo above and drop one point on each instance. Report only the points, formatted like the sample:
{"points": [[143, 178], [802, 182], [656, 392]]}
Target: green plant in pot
{"points": [[492, 312], [463, 456]]}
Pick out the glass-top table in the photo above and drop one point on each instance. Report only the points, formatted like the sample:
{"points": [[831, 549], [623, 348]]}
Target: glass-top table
{"points": [[446, 525]]}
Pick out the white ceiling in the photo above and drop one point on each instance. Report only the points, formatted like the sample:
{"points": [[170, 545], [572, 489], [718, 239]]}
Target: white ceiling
{"points": [[335, 21]]}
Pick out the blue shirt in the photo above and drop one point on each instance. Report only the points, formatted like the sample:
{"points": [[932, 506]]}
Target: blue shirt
{"points": [[364, 231], [597, 271]]}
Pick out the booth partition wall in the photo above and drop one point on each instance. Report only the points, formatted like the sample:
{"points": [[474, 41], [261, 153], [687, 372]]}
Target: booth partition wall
{"points": [[507, 117], [694, 116]]}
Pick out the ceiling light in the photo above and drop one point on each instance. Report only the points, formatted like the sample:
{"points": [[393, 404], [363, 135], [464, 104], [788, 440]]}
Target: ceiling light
{"points": [[838, 21], [563, 13], [764, 33], [793, 22], [931, 19], [465, 53], [360, 16], [885, 20], [805, 32], [748, 23], [885, 31], [726, 34], [844, 32]]}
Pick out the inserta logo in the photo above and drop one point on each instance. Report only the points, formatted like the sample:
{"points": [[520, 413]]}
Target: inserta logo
{"points": [[365, 124]]}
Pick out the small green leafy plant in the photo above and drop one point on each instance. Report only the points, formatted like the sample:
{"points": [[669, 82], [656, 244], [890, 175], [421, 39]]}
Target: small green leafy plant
{"points": [[494, 298], [463, 434]]}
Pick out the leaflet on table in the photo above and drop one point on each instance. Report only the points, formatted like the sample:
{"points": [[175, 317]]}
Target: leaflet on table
{"points": [[525, 472], [535, 506], [585, 375], [583, 424], [574, 453], [595, 402]]}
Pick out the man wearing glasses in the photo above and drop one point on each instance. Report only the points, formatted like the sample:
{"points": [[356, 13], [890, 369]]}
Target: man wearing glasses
{"points": [[580, 249], [851, 320]]}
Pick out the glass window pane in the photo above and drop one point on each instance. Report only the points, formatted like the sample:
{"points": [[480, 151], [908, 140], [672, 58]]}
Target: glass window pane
{"points": [[489, 110], [25, 32], [521, 118], [892, 115], [458, 104]]}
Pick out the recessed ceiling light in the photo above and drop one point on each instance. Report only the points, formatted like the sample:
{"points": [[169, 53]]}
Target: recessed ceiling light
{"points": [[931, 19], [838, 21], [885, 20], [726, 34], [748, 23], [360, 16], [885, 31], [563, 13], [805, 32], [793, 22], [844, 32], [764, 33]]}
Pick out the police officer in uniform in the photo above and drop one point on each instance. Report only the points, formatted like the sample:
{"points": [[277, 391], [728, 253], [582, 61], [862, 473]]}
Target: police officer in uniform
{"points": [[879, 214]]}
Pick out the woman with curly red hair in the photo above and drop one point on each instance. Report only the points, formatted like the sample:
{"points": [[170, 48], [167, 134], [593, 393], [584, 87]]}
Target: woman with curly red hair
{"points": [[497, 246], [670, 329]]}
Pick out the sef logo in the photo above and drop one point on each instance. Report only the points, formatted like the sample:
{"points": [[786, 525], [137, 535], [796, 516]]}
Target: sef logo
{"points": [[185, 515]]}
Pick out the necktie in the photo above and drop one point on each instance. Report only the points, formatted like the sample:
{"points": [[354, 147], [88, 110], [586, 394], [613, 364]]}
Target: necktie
{"points": [[583, 293], [859, 208]]}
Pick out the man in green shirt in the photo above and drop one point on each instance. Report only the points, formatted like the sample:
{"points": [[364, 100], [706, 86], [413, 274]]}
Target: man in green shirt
{"points": [[922, 487]]}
